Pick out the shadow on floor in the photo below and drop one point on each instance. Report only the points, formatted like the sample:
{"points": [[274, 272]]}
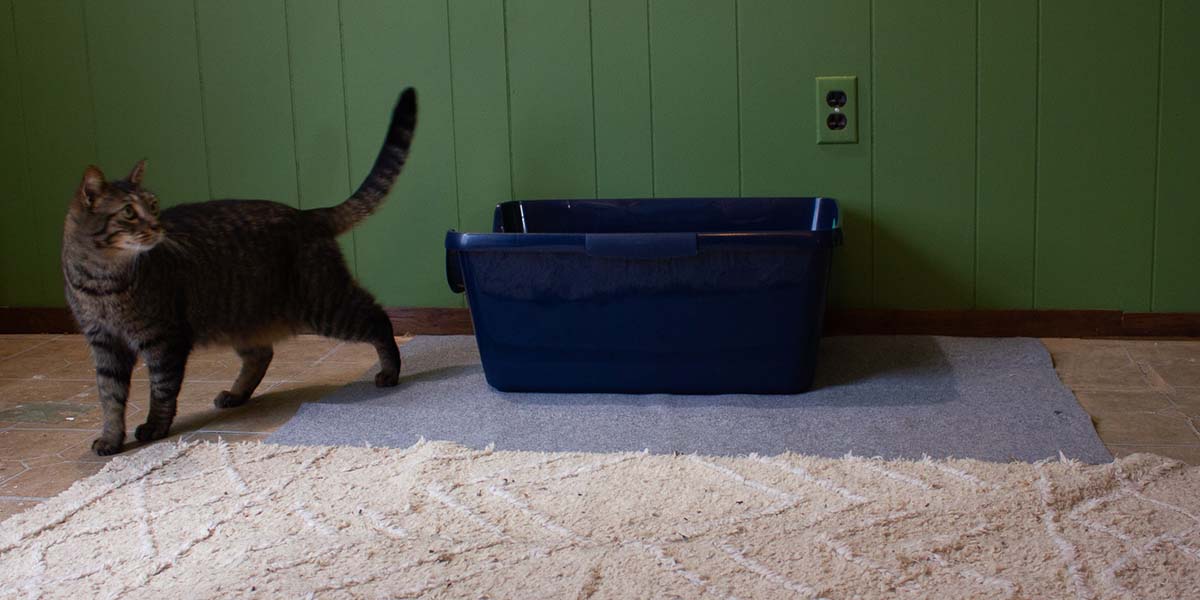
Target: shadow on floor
{"points": [[914, 360], [263, 413], [852, 371]]}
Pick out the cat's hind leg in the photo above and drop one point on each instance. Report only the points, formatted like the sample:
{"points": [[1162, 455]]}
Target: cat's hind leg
{"points": [[358, 318], [255, 360]]}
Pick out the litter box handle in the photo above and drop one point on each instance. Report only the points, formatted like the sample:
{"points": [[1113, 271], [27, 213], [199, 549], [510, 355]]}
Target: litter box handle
{"points": [[640, 245], [454, 275]]}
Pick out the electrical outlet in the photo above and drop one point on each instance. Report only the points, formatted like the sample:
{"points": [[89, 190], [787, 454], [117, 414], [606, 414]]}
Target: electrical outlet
{"points": [[837, 110]]}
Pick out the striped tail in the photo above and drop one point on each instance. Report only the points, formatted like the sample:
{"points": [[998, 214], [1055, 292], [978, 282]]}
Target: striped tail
{"points": [[371, 192]]}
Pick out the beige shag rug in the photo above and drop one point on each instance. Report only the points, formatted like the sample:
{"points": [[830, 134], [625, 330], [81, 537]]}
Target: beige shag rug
{"points": [[439, 520]]}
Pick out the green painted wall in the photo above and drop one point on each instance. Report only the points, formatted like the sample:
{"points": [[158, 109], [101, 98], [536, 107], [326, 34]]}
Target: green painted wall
{"points": [[1013, 153]]}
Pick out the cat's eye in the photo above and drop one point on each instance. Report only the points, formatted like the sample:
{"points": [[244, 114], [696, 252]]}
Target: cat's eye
{"points": [[128, 212]]}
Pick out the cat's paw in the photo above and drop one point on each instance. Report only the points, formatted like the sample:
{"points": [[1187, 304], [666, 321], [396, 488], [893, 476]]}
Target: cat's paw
{"points": [[229, 400], [387, 379], [148, 432], [105, 447]]}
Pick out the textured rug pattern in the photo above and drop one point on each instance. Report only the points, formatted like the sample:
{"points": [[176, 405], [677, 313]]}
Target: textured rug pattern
{"points": [[894, 396], [440, 520]]}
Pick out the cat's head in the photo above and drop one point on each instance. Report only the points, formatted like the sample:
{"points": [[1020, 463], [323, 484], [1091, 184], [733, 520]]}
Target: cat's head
{"points": [[115, 217]]}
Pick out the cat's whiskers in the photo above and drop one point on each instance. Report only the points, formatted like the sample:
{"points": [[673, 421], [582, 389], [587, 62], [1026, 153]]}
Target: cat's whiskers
{"points": [[170, 243]]}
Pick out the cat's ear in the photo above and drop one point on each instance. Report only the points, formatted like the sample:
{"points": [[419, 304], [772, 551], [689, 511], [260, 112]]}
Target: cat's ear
{"points": [[135, 176], [90, 186]]}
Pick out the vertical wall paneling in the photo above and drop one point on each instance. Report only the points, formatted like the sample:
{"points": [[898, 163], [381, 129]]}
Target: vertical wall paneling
{"points": [[780, 156], [693, 79], [1177, 233], [1012, 154], [247, 99], [1007, 124], [60, 129], [318, 107], [924, 164], [480, 111], [621, 76], [147, 95], [550, 96], [389, 45], [20, 276], [1097, 109]]}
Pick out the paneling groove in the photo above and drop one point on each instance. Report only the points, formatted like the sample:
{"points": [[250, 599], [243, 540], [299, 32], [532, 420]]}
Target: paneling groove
{"points": [[1013, 154]]}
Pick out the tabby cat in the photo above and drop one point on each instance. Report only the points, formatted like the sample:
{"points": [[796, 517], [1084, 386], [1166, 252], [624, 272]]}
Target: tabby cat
{"points": [[243, 273]]}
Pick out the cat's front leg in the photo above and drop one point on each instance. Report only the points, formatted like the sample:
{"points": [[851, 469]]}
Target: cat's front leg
{"points": [[166, 363], [114, 362]]}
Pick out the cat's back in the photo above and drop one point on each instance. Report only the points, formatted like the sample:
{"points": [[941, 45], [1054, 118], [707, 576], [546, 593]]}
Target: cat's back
{"points": [[217, 216], [224, 227], [238, 263], [240, 239]]}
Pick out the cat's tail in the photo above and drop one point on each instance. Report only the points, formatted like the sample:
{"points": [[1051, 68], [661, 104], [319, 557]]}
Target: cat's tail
{"points": [[371, 192]]}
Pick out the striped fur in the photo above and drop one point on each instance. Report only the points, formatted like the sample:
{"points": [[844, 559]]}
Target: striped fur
{"points": [[243, 273], [371, 192]]}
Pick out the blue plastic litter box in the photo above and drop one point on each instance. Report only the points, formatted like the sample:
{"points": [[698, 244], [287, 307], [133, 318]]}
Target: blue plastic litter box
{"points": [[683, 295]]}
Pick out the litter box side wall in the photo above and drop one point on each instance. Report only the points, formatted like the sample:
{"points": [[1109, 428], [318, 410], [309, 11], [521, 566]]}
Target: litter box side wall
{"points": [[718, 322]]}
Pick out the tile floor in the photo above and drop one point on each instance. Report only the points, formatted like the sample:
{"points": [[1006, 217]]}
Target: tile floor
{"points": [[49, 412], [1144, 396]]}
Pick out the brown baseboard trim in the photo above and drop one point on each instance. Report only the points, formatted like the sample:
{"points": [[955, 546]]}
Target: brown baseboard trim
{"points": [[405, 321], [36, 320], [1006, 323], [431, 321], [974, 323], [1161, 324]]}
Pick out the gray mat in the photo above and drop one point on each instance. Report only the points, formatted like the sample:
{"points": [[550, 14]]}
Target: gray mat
{"points": [[901, 396]]}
